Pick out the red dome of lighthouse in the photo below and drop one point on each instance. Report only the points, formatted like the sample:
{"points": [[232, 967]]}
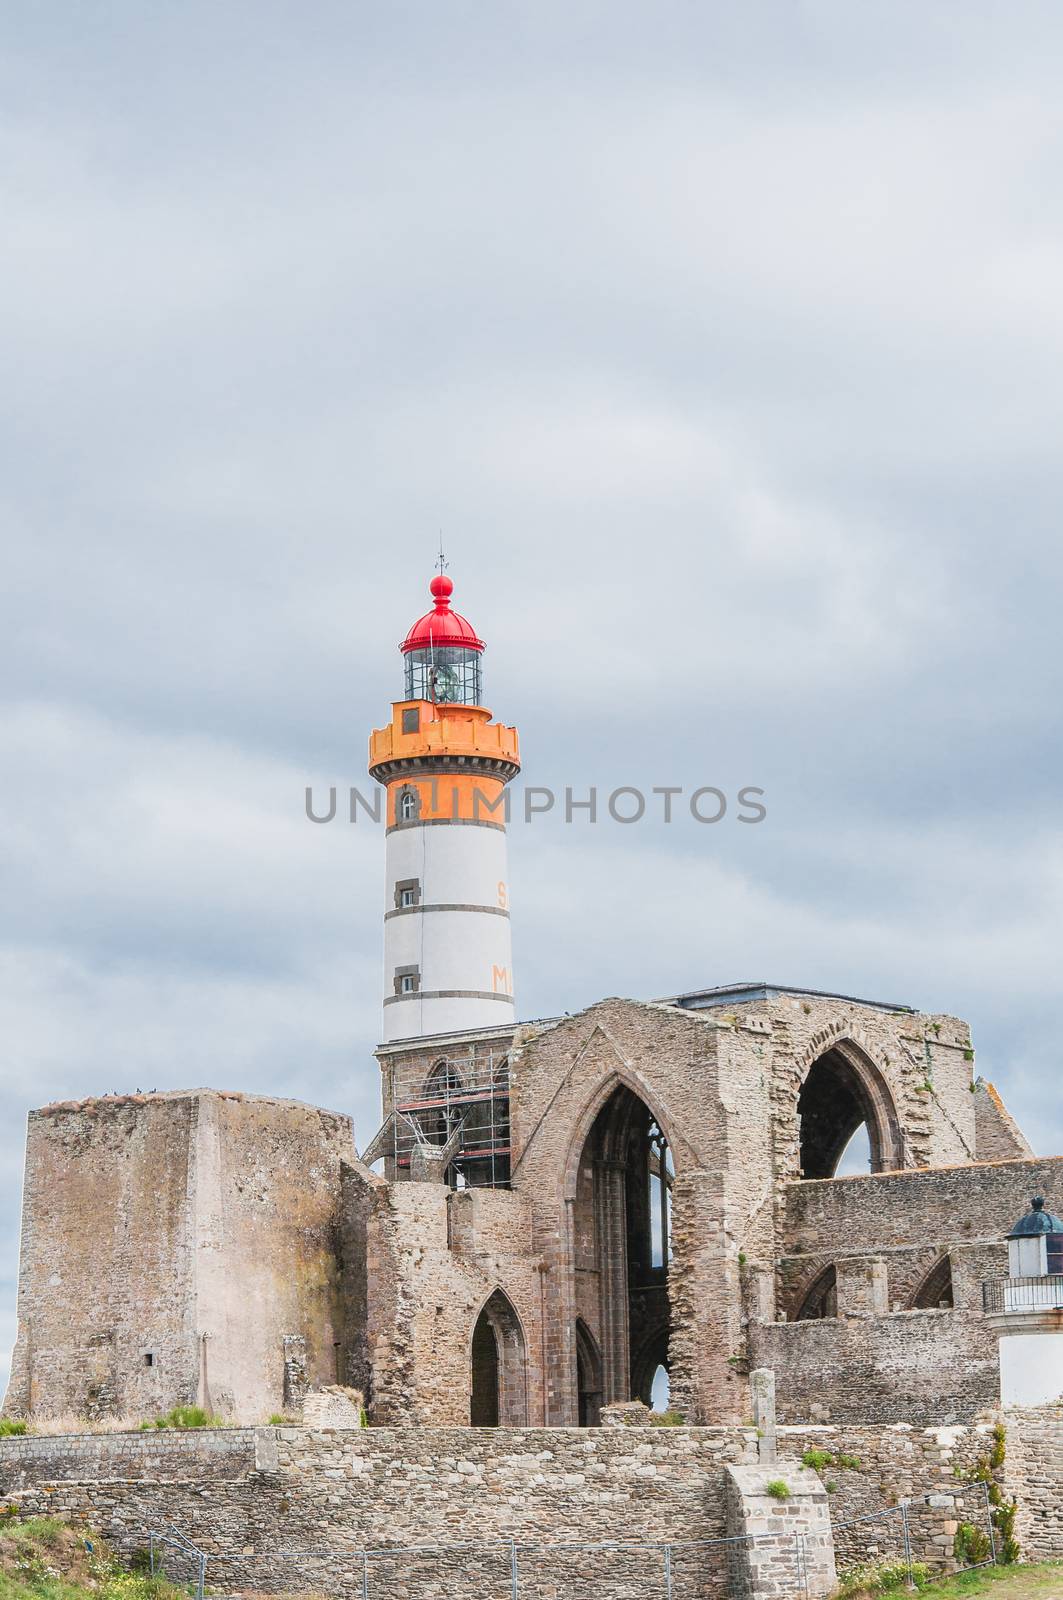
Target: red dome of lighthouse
{"points": [[441, 627]]}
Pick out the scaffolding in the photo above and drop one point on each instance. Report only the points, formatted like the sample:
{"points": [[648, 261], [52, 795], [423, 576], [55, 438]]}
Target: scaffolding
{"points": [[449, 1120]]}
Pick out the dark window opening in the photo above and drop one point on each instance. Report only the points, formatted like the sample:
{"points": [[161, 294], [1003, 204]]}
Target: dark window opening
{"points": [[411, 719], [588, 1376], [821, 1300], [1054, 1245], [835, 1102], [623, 1222], [149, 1359]]}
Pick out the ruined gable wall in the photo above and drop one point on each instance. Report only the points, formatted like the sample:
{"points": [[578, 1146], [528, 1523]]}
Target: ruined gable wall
{"points": [[998, 1136], [106, 1269], [560, 1079], [925, 1062], [434, 1257]]}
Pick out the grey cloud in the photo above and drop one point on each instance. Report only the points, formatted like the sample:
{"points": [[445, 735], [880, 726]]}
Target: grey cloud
{"points": [[724, 346]]}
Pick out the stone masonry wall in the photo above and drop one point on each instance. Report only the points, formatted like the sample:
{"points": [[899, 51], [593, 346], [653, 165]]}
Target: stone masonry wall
{"points": [[170, 1244], [244, 1495], [904, 1209], [387, 1488], [1034, 1476], [434, 1257], [921, 1366]]}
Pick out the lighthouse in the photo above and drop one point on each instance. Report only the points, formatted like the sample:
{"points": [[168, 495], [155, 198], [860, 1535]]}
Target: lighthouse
{"points": [[448, 961]]}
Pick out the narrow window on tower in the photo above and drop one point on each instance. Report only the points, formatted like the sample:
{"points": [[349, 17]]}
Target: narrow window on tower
{"points": [[407, 980], [408, 805], [407, 893]]}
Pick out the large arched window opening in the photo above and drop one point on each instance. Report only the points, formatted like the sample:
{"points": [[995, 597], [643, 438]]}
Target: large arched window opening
{"points": [[935, 1291], [623, 1224], [499, 1376], [842, 1102]]}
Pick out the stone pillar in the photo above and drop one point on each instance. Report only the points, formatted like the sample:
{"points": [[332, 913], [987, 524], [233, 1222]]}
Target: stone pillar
{"points": [[863, 1286], [707, 1347], [610, 1199], [780, 1512], [762, 1393]]}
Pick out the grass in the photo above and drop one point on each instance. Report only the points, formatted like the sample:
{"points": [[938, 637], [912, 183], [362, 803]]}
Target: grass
{"points": [[42, 1558], [183, 1417], [779, 1489], [1037, 1582]]}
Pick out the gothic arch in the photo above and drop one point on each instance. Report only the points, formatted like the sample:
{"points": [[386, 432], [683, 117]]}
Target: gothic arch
{"points": [[651, 1354], [588, 1376], [498, 1366], [820, 1299], [935, 1291], [594, 1105], [842, 1087]]}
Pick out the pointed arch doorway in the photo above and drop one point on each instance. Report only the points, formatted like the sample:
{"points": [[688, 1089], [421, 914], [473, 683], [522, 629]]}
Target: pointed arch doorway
{"points": [[499, 1375]]}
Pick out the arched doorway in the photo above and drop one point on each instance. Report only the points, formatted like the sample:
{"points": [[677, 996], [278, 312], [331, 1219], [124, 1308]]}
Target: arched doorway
{"points": [[499, 1378], [588, 1376], [844, 1093], [622, 1219]]}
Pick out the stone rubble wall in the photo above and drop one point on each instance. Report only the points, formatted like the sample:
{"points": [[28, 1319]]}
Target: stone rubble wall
{"points": [[909, 1209], [247, 1494], [888, 1464], [1033, 1475], [924, 1367]]}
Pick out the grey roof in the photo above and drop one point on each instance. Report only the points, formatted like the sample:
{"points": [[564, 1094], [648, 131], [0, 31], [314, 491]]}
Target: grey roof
{"points": [[737, 993], [1036, 1221]]}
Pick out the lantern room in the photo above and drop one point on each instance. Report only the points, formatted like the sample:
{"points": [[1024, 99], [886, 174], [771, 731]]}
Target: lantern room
{"points": [[1035, 1244], [443, 654]]}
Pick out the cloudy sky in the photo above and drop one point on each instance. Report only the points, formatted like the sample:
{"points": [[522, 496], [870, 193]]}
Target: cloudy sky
{"points": [[723, 343]]}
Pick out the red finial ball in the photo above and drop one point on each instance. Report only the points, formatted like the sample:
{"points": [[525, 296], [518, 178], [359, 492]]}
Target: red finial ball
{"points": [[441, 628]]}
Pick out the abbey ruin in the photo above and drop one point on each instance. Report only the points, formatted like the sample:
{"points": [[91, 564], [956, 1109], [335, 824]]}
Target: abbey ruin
{"points": [[560, 1230]]}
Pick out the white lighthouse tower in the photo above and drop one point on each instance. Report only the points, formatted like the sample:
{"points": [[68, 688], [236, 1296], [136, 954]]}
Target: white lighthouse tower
{"points": [[448, 961]]}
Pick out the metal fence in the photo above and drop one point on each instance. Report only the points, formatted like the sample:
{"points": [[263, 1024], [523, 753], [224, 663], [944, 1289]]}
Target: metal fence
{"points": [[1022, 1294], [522, 1569]]}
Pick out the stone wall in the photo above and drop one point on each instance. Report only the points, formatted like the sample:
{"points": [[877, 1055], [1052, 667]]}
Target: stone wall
{"points": [[922, 1366], [1033, 1475], [435, 1256], [170, 1243], [998, 1136], [244, 1495], [389, 1489], [962, 1204]]}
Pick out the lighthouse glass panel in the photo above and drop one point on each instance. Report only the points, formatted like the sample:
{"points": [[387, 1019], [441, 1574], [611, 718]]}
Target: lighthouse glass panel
{"points": [[448, 676]]}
